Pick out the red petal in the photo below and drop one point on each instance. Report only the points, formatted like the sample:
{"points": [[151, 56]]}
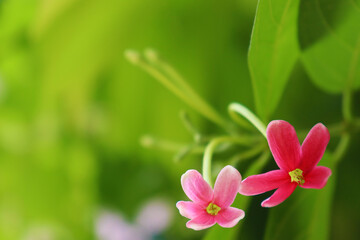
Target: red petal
{"points": [[280, 195], [317, 178], [284, 144], [313, 147], [261, 183]]}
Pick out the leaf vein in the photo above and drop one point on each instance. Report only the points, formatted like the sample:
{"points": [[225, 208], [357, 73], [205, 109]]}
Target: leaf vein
{"points": [[274, 50], [330, 29]]}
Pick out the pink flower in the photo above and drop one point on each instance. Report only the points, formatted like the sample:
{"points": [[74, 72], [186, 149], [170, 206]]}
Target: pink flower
{"points": [[211, 206], [110, 225], [297, 163]]}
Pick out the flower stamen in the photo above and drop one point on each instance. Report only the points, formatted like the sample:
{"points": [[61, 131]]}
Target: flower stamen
{"points": [[297, 176], [213, 209]]}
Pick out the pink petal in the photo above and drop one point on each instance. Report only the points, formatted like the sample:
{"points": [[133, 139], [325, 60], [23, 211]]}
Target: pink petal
{"points": [[284, 144], [201, 222], [282, 193], [313, 147], [196, 188], [229, 217], [226, 186], [317, 178], [154, 207], [189, 209], [261, 183]]}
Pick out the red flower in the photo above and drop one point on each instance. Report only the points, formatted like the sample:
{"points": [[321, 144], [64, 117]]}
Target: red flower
{"points": [[297, 163]]}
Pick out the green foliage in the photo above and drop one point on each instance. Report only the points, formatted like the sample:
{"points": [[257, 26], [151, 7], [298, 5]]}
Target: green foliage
{"points": [[273, 52], [306, 213], [329, 36], [73, 110]]}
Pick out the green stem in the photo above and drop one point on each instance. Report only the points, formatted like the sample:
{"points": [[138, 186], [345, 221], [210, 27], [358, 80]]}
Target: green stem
{"points": [[336, 129], [189, 125], [341, 148], [252, 152], [165, 81], [149, 141], [177, 77], [183, 152], [170, 71], [247, 114], [347, 114], [180, 81], [350, 84], [181, 90], [209, 150], [239, 120], [346, 107]]}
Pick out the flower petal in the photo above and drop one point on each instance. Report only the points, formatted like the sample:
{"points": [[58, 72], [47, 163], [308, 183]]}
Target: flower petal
{"points": [[261, 183], [226, 186], [201, 222], [189, 209], [154, 207], [317, 178], [282, 193], [229, 217], [313, 147], [284, 144], [196, 188]]}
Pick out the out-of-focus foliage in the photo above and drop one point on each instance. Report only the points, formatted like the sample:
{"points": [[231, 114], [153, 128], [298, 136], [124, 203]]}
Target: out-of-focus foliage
{"points": [[73, 109], [329, 36], [273, 52]]}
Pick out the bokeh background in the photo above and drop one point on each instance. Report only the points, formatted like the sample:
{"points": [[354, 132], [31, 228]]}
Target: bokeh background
{"points": [[73, 111]]}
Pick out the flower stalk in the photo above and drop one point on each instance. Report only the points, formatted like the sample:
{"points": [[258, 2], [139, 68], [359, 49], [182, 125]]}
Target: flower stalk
{"points": [[211, 147], [248, 115], [168, 77]]}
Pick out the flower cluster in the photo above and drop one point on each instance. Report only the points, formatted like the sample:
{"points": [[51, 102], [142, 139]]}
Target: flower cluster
{"points": [[297, 167]]}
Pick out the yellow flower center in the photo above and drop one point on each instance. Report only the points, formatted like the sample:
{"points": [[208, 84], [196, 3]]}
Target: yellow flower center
{"points": [[213, 209], [297, 176]]}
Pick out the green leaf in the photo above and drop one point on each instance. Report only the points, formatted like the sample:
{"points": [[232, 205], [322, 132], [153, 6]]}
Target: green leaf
{"points": [[242, 202], [329, 36], [273, 51], [305, 214]]}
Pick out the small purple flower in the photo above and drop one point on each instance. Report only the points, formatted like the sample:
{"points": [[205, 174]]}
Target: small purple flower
{"points": [[112, 226]]}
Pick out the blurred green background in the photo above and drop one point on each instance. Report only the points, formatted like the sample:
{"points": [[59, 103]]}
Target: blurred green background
{"points": [[73, 111]]}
